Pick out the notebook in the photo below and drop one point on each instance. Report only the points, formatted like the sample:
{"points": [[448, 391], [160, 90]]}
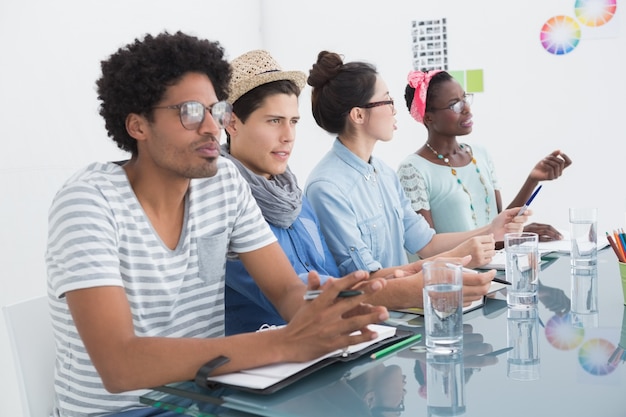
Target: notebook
{"points": [[499, 260], [271, 378], [565, 245], [495, 286]]}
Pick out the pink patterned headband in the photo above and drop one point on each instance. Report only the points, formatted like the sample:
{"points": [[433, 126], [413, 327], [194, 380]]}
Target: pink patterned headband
{"points": [[419, 80]]}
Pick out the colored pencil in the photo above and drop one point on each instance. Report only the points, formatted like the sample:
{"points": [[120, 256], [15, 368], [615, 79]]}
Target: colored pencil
{"points": [[622, 239], [393, 348], [618, 242], [618, 252]]}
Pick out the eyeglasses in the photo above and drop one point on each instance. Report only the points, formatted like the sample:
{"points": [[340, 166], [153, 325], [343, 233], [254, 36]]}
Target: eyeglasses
{"points": [[377, 103], [458, 106], [192, 113]]}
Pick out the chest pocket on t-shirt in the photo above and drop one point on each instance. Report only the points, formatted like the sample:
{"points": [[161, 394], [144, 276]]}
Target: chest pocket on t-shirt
{"points": [[212, 249], [373, 233]]}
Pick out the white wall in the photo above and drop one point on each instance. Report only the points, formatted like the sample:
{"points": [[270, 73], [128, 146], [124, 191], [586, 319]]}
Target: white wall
{"points": [[533, 102], [51, 53]]}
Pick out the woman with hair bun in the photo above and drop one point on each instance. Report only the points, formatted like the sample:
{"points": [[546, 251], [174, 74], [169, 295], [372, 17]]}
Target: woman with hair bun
{"points": [[366, 218]]}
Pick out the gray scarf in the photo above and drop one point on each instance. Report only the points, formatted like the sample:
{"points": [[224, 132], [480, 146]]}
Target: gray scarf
{"points": [[280, 199]]}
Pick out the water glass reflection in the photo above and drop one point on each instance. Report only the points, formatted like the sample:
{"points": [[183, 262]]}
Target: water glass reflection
{"points": [[523, 338], [584, 297], [446, 384]]}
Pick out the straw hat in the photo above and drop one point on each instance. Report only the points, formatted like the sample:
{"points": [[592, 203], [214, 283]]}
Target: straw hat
{"points": [[256, 68]]}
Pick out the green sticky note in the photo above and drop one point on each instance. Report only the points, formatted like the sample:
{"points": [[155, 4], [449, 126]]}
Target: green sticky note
{"points": [[459, 76], [474, 81]]}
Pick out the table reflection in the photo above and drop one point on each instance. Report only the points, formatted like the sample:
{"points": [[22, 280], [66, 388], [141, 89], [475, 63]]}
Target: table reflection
{"points": [[523, 361], [442, 378], [446, 392]]}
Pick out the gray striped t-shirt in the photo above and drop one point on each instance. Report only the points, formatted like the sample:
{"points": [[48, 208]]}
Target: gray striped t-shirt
{"points": [[99, 235]]}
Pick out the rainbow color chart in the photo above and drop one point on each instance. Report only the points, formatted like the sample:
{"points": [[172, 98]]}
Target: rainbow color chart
{"points": [[594, 355], [562, 335], [595, 13], [561, 34]]}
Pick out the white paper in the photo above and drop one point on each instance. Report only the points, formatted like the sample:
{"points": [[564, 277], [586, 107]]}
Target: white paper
{"points": [[499, 260], [266, 376]]}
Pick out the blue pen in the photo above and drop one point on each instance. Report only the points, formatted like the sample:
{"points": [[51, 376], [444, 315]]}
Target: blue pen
{"points": [[530, 200]]}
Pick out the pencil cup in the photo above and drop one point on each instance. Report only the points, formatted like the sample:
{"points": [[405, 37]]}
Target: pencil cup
{"points": [[584, 237], [443, 306], [622, 272]]}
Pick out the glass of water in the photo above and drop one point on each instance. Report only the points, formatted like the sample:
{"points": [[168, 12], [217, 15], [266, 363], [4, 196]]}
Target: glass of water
{"points": [[443, 306], [522, 268]]}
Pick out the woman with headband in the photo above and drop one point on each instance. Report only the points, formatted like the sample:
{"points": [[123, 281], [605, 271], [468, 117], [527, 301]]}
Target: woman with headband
{"points": [[454, 185], [366, 218]]}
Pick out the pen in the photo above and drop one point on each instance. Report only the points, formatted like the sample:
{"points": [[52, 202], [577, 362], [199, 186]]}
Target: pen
{"points": [[312, 295], [501, 281], [499, 351], [530, 200], [395, 347]]}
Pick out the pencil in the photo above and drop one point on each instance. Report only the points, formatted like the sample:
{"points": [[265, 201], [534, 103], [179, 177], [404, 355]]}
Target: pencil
{"points": [[618, 242], [622, 240], [620, 255], [395, 347]]}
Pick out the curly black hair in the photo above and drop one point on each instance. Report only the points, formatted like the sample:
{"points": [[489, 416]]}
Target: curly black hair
{"points": [[134, 78]]}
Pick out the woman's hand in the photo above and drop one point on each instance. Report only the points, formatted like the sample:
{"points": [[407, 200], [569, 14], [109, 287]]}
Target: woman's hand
{"points": [[551, 167], [509, 222], [545, 231]]}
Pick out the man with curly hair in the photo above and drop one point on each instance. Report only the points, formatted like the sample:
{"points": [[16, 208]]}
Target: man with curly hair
{"points": [[137, 249]]}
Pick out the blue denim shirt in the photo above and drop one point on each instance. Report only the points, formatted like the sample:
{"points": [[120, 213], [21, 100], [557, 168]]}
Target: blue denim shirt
{"points": [[365, 216], [247, 308]]}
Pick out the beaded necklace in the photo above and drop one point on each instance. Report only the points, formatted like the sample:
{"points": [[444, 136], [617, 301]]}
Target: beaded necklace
{"points": [[445, 159]]}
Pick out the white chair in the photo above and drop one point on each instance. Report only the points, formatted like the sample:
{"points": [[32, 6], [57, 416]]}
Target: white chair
{"points": [[32, 342]]}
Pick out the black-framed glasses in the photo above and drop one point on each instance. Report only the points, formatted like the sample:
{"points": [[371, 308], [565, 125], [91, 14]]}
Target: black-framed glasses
{"points": [[377, 103], [458, 106], [192, 113]]}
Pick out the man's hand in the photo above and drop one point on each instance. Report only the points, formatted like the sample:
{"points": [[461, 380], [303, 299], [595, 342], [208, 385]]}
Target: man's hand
{"points": [[326, 323]]}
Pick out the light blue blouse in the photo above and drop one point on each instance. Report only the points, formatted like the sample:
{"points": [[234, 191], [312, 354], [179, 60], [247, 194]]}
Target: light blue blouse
{"points": [[366, 218]]}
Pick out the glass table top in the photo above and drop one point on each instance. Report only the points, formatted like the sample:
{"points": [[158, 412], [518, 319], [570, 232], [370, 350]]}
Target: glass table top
{"points": [[567, 363]]}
